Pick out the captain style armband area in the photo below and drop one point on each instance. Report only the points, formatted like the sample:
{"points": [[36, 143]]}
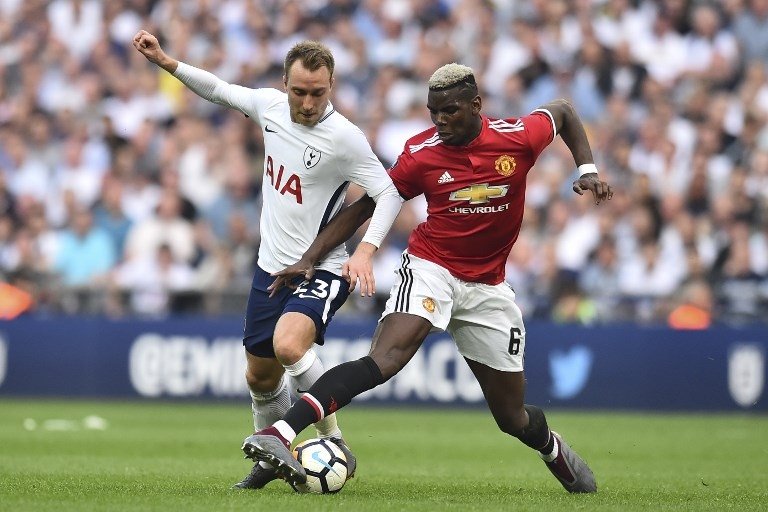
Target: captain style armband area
{"points": [[587, 169]]}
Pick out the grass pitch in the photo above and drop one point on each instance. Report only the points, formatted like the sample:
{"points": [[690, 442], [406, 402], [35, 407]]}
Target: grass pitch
{"points": [[170, 456]]}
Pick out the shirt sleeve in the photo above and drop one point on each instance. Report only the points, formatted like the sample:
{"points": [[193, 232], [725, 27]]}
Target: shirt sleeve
{"points": [[360, 165], [404, 177], [249, 101], [539, 129], [388, 205]]}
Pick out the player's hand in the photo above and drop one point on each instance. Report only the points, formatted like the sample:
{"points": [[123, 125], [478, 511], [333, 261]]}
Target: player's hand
{"points": [[600, 189], [148, 45], [286, 276], [360, 267]]}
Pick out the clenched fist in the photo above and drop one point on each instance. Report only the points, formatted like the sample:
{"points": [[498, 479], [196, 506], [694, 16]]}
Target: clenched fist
{"points": [[148, 45]]}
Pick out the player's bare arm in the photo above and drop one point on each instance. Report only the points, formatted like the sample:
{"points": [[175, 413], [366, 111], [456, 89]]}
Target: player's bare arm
{"points": [[148, 45], [339, 230], [571, 130]]}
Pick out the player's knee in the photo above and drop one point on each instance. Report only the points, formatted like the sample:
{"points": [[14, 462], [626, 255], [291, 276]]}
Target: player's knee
{"points": [[294, 335], [513, 423], [261, 383], [288, 352], [389, 364]]}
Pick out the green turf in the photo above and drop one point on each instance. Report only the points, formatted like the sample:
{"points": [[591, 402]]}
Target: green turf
{"points": [[169, 457]]}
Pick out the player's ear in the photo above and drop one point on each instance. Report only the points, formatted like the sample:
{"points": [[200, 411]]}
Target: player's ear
{"points": [[332, 81], [285, 82], [477, 105]]}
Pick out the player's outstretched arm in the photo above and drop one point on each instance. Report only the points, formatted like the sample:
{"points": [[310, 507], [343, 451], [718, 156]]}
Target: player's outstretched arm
{"points": [[339, 230], [201, 82], [571, 130], [148, 45]]}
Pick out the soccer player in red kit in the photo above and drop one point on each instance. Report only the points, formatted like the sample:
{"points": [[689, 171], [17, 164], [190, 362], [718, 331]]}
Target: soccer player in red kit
{"points": [[472, 171]]}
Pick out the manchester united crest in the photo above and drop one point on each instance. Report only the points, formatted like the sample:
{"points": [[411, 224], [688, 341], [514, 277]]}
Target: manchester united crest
{"points": [[505, 165], [429, 304]]}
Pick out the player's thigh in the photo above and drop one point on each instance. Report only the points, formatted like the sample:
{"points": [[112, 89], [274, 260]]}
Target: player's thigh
{"points": [[295, 333], [397, 338], [262, 314], [487, 327], [262, 373], [307, 313], [505, 394]]}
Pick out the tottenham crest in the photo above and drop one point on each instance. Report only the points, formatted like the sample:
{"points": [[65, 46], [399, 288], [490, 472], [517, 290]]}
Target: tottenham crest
{"points": [[505, 165], [429, 304], [311, 157]]}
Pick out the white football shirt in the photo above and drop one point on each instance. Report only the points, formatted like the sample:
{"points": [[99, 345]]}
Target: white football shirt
{"points": [[307, 170]]}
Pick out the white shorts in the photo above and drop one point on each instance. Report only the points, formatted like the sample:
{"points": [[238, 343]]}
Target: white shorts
{"points": [[483, 319]]}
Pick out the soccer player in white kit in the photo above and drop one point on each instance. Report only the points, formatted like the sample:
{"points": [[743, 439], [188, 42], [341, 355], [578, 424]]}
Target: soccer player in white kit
{"points": [[312, 153]]}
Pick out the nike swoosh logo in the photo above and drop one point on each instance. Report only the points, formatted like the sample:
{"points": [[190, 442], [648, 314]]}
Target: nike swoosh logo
{"points": [[301, 391], [270, 131], [316, 458]]}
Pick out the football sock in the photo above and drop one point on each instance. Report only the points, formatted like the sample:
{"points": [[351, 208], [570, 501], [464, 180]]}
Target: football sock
{"points": [[536, 434], [270, 406], [332, 391], [305, 373], [550, 447], [549, 456], [282, 430]]}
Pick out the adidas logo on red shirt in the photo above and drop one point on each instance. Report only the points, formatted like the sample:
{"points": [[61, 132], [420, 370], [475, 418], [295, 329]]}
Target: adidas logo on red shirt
{"points": [[445, 178]]}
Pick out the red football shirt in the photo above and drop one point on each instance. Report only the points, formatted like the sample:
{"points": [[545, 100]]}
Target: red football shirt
{"points": [[475, 193]]}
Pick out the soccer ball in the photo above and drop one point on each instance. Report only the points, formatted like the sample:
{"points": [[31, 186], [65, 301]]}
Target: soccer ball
{"points": [[325, 465]]}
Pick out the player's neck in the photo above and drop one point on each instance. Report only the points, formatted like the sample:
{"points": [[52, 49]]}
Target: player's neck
{"points": [[473, 133]]}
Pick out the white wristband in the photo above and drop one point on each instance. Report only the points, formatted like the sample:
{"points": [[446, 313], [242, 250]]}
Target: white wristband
{"points": [[587, 169]]}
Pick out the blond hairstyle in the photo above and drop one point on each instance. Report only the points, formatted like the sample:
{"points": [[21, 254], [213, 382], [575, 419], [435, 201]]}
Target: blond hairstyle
{"points": [[450, 75]]}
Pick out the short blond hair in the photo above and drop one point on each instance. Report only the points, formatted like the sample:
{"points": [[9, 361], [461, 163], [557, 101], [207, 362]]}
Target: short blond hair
{"points": [[450, 75]]}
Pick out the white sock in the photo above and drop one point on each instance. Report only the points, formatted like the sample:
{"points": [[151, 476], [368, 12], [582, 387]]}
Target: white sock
{"points": [[305, 373], [555, 450], [270, 406], [285, 430]]}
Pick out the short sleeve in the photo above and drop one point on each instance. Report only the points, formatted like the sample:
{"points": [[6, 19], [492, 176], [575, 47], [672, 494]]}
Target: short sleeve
{"points": [[359, 163], [539, 129], [405, 177]]}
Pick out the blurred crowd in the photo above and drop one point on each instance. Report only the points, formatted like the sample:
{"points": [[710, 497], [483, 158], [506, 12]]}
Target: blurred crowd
{"points": [[121, 192]]}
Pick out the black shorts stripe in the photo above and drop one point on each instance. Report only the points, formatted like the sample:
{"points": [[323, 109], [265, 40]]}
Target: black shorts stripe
{"points": [[409, 271], [403, 301], [401, 291], [401, 273]]}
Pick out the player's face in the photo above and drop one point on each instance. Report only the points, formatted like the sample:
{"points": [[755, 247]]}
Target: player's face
{"points": [[455, 116], [308, 93]]}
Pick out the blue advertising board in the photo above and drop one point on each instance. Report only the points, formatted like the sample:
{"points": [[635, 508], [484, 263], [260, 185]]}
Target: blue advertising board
{"points": [[608, 367]]}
